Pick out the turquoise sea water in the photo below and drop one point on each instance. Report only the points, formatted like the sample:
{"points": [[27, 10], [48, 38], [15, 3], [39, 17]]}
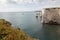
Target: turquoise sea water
{"points": [[31, 24]]}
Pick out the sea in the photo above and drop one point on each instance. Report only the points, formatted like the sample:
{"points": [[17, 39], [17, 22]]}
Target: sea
{"points": [[31, 25]]}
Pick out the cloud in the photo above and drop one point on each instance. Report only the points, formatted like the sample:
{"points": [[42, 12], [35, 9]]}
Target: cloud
{"points": [[3, 1], [26, 5], [18, 5]]}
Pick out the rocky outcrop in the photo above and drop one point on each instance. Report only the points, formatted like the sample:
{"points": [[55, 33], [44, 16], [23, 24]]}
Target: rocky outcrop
{"points": [[51, 16], [7, 32]]}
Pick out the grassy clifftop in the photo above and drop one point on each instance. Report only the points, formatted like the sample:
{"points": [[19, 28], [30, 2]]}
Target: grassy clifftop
{"points": [[7, 32]]}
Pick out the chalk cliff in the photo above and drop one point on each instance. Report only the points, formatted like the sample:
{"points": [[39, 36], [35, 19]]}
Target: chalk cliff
{"points": [[51, 16]]}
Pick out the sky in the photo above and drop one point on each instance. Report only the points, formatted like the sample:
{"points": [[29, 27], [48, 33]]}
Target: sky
{"points": [[26, 5]]}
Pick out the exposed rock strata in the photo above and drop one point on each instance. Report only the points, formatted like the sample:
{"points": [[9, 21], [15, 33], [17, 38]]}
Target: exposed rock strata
{"points": [[51, 16]]}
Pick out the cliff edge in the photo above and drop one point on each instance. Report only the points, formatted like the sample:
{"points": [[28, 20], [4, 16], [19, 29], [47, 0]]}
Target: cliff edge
{"points": [[7, 32], [51, 16]]}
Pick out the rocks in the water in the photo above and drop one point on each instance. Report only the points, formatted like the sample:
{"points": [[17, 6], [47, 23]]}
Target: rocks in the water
{"points": [[50, 16], [52, 23], [11, 33]]}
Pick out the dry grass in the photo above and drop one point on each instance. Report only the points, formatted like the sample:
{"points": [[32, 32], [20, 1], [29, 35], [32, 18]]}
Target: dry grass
{"points": [[7, 32]]}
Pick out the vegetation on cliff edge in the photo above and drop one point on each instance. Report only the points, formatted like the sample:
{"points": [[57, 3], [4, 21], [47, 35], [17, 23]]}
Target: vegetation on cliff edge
{"points": [[7, 32]]}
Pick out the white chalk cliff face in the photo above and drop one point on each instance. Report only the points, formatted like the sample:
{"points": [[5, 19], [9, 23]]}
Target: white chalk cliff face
{"points": [[51, 16]]}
